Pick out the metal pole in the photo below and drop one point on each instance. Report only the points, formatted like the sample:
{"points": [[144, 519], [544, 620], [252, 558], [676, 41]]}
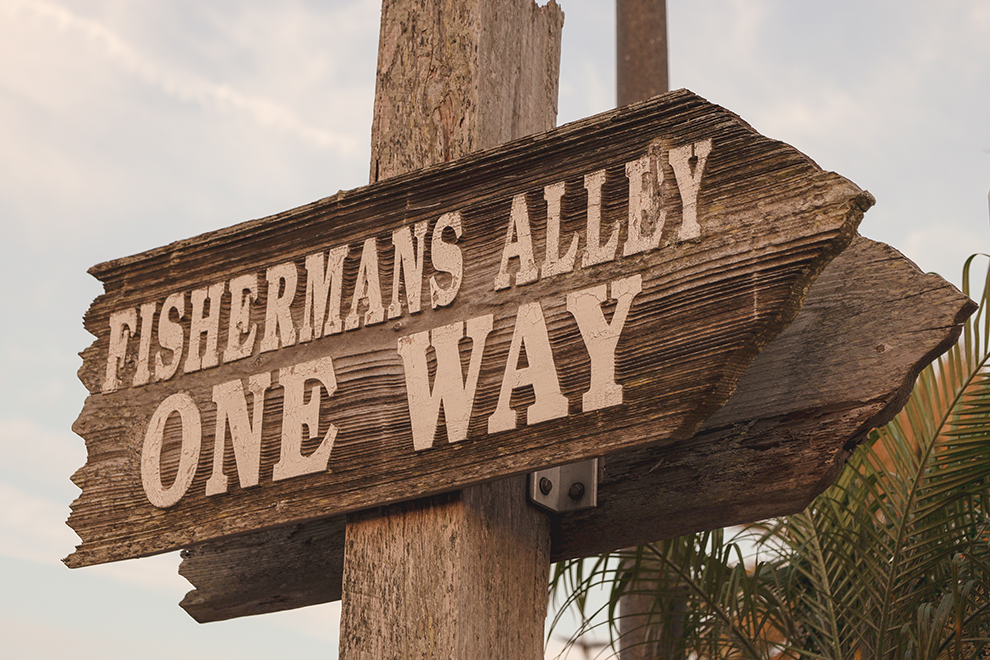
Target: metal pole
{"points": [[641, 49]]}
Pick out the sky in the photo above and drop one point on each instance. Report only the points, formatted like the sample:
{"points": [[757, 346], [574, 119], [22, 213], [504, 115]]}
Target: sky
{"points": [[129, 124]]}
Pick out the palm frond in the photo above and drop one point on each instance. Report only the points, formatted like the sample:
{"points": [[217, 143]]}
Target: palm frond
{"points": [[902, 521]]}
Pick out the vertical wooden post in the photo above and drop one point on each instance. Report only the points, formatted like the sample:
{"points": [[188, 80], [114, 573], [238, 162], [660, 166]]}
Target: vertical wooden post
{"points": [[462, 575], [642, 71], [641, 50]]}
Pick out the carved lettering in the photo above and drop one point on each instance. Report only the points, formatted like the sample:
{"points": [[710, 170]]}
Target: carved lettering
{"points": [[324, 286], [241, 333], [205, 321], [689, 182], [142, 374], [446, 258], [645, 177], [408, 262], [279, 329], [594, 252], [367, 288], [554, 263], [601, 336], [170, 336], [123, 324], [518, 245], [151, 453]]}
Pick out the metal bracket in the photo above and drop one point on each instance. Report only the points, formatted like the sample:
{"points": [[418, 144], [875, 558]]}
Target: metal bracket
{"points": [[566, 488]]}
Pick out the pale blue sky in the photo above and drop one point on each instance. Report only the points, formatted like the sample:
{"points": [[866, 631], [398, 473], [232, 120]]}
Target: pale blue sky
{"points": [[128, 124]]}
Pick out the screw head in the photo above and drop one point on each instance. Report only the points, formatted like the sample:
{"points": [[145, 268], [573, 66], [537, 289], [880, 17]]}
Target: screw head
{"points": [[545, 485], [576, 492]]}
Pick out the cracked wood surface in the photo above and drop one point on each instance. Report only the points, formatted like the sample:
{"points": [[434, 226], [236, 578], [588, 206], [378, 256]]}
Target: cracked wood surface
{"points": [[870, 323], [465, 573], [771, 221]]}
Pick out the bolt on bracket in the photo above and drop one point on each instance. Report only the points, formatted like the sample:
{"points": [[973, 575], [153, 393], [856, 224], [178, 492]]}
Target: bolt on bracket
{"points": [[566, 488]]}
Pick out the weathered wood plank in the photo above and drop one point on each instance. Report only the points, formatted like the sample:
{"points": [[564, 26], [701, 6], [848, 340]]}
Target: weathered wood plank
{"points": [[472, 563], [259, 575], [769, 219], [869, 324]]}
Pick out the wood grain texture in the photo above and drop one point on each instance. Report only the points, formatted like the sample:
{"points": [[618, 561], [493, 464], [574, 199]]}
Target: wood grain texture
{"points": [[771, 221], [845, 366], [476, 584], [455, 77], [871, 322], [462, 574], [259, 576]]}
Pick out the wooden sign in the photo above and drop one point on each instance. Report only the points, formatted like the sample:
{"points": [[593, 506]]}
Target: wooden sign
{"points": [[846, 364], [596, 288]]}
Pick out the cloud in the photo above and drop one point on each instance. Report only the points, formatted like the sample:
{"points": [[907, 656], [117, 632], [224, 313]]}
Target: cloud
{"points": [[320, 622], [181, 85], [43, 456], [33, 528], [27, 637], [159, 573], [942, 248]]}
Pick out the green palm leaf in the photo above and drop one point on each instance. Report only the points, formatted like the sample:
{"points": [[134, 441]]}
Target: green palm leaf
{"points": [[905, 523]]}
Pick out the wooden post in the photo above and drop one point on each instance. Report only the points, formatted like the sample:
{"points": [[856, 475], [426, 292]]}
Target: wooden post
{"points": [[642, 71], [641, 50], [462, 575]]}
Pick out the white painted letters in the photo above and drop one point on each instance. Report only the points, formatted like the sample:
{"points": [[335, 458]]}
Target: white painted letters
{"points": [[204, 323], [594, 251], [323, 291], [449, 388], [123, 324], [241, 333], [367, 287], [645, 177], [446, 258], [298, 414], [554, 263], [408, 262], [142, 374], [518, 244], [151, 453], [689, 183], [282, 281], [244, 436], [530, 333], [458, 373], [601, 337], [170, 336], [289, 320]]}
